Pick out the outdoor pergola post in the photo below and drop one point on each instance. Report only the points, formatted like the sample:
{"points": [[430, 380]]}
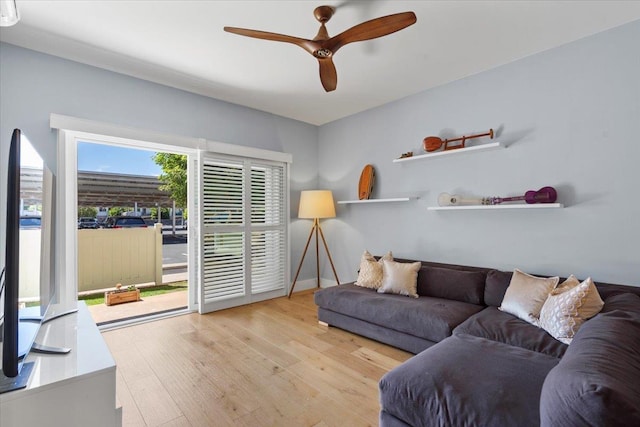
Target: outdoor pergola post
{"points": [[173, 218]]}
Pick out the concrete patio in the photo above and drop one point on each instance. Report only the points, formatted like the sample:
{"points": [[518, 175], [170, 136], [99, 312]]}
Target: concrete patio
{"points": [[102, 313], [173, 273]]}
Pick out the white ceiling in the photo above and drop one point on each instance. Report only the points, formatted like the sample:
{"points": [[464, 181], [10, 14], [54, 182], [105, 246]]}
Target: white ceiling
{"points": [[182, 44]]}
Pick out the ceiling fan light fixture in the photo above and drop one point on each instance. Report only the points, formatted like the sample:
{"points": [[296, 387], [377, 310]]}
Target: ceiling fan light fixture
{"points": [[8, 13]]}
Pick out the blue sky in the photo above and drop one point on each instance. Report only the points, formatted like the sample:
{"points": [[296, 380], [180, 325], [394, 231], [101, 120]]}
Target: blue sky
{"points": [[110, 159]]}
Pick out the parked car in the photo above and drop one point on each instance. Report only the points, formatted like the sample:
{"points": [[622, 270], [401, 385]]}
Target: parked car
{"points": [[124, 222], [87, 222], [30, 222]]}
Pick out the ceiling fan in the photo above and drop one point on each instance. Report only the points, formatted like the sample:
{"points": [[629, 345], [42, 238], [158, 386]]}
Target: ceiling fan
{"points": [[324, 47]]}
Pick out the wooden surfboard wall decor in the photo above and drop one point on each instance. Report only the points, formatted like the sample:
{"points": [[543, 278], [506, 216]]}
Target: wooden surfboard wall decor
{"points": [[365, 186]]}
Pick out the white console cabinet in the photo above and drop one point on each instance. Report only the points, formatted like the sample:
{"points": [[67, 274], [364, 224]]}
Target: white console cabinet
{"points": [[75, 389]]}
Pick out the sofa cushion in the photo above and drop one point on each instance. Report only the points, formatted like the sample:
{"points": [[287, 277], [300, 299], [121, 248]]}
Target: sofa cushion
{"points": [[607, 290], [495, 286], [625, 302], [527, 294], [425, 317], [401, 340], [388, 420], [465, 286], [467, 381], [496, 325], [597, 382]]}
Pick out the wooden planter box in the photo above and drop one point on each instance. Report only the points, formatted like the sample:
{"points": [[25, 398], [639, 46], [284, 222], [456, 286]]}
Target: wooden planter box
{"points": [[119, 297]]}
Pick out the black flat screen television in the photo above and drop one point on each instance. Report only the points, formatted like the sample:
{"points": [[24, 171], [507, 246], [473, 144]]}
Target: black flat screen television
{"points": [[26, 224], [12, 262]]}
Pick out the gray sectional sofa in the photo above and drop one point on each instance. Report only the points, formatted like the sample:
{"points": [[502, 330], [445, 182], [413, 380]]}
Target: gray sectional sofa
{"points": [[478, 366]]}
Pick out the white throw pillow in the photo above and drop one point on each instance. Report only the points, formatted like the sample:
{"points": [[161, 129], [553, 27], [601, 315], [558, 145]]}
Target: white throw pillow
{"points": [[526, 295], [370, 274], [568, 307], [400, 278]]}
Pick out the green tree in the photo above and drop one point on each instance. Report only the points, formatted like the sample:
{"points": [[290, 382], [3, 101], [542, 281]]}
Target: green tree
{"points": [[174, 176], [163, 211], [119, 210], [87, 212]]}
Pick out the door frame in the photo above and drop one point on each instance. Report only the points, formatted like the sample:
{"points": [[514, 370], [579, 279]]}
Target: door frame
{"points": [[70, 131]]}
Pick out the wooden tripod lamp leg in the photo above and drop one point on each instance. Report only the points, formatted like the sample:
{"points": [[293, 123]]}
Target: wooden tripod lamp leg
{"points": [[316, 225], [302, 259], [326, 248]]}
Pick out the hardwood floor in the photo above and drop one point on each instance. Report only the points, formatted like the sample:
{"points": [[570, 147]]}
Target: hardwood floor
{"points": [[266, 364]]}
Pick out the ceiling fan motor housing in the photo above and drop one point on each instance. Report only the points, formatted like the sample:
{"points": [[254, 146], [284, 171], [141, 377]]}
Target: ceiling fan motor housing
{"points": [[323, 13]]}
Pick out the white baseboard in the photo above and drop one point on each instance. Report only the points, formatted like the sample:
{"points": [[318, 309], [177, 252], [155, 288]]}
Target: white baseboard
{"points": [[303, 285]]}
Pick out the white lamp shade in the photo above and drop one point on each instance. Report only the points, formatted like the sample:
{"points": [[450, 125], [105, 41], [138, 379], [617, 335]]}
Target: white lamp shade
{"points": [[316, 204], [8, 13]]}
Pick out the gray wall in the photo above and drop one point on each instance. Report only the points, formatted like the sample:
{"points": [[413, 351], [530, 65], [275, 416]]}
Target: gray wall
{"points": [[33, 85], [571, 119]]}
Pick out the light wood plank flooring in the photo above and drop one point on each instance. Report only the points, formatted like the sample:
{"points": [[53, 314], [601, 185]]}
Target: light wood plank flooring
{"points": [[266, 364]]}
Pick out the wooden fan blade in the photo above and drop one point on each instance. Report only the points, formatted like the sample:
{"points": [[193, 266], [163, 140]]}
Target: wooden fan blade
{"points": [[328, 74], [308, 45], [372, 29]]}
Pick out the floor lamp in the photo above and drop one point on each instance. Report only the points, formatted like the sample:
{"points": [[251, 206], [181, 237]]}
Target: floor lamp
{"points": [[316, 204]]}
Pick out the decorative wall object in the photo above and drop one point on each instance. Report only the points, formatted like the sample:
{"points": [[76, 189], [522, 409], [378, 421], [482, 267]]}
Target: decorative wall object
{"points": [[365, 186], [543, 195], [433, 143]]}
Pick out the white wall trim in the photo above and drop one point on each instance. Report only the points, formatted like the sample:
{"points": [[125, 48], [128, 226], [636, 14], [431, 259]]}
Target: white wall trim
{"points": [[140, 320], [66, 259], [250, 152], [304, 285], [120, 134], [66, 204]]}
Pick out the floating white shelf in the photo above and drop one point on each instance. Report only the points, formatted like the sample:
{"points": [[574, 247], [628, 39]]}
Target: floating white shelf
{"points": [[483, 147], [489, 207], [397, 199]]}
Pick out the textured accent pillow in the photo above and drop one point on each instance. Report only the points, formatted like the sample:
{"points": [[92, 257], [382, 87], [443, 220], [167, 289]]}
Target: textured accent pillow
{"points": [[526, 295], [400, 278], [370, 274], [568, 307]]}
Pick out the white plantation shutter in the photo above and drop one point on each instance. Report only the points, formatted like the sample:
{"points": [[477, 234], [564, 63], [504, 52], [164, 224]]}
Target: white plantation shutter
{"points": [[193, 215], [223, 262], [223, 195], [244, 246], [268, 228], [223, 275]]}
